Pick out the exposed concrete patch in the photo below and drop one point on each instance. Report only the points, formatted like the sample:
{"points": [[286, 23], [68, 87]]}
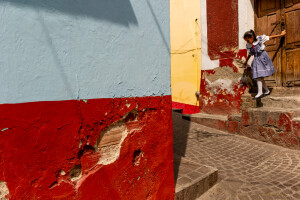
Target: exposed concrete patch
{"points": [[110, 141], [110, 144], [4, 192], [223, 73], [221, 85]]}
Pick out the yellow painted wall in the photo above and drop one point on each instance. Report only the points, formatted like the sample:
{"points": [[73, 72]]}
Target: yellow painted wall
{"points": [[185, 50]]}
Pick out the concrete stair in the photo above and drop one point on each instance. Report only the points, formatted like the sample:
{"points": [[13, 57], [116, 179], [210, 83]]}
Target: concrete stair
{"points": [[193, 179], [285, 91], [214, 121], [274, 119], [230, 123], [271, 101], [278, 126]]}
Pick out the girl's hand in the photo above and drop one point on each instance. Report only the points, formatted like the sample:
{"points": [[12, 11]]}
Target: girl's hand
{"points": [[283, 33]]}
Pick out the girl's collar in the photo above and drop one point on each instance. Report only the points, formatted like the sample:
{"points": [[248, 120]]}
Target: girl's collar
{"points": [[255, 43], [250, 45]]}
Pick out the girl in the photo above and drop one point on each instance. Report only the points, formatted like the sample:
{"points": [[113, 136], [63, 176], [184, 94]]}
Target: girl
{"points": [[262, 65]]}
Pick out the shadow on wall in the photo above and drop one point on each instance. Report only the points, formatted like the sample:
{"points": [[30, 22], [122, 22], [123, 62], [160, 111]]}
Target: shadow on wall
{"points": [[115, 11], [252, 3], [158, 27]]}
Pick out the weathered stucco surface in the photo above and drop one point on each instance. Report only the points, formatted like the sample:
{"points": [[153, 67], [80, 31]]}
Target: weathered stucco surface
{"points": [[223, 52], [64, 50], [61, 149], [85, 100]]}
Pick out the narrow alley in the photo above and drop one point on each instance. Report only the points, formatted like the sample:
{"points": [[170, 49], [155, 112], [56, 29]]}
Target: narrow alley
{"points": [[246, 168]]}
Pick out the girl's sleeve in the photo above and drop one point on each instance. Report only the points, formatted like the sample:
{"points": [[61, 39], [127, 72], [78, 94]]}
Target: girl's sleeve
{"points": [[248, 47], [264, 38]]}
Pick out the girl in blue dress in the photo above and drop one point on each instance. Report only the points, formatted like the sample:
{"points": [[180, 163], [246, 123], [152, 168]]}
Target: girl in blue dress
{"points": [[262, 65]]}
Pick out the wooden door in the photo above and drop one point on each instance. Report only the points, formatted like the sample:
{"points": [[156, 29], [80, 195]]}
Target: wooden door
{"points": [[291, 52], [271, 17]]}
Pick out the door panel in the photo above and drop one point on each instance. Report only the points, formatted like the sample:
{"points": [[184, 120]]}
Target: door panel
{"points": [[289, 3], [272, 16], [292, 70], [292, 19], [271, 28], [266, 22], [267, 6], [291, 51], [275, 80]]}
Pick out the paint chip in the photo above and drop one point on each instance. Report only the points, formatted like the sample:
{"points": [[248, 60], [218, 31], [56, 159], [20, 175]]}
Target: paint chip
{"points": [[84, 100], [62, 173], [5, 129], [4, 192]]}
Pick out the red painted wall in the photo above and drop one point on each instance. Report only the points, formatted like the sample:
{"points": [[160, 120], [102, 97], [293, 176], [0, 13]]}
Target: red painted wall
{"points": [[223, 45], [222, 28], [223, 101], [186, 108], [39, 140]]}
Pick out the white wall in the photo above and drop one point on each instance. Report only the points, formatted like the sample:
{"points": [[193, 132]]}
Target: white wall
{"points": [[246, 22]]}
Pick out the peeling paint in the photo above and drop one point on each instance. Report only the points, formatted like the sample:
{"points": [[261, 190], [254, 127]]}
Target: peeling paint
{"points": [[4, 192], [74, 129], [221, 88]]}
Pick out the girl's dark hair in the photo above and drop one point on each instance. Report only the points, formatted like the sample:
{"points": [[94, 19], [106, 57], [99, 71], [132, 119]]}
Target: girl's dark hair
{"points": [[249, 34]]}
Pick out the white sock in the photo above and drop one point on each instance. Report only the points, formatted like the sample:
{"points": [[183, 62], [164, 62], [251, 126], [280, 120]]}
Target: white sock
{"points": [[267, 91], [259, 87]]}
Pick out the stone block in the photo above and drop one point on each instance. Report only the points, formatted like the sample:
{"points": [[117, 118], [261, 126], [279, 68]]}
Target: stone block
{"points": [[233, 127]]}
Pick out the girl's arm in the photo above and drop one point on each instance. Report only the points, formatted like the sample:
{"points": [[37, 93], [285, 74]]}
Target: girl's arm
{"points": [[245, 64], [283, 33]]}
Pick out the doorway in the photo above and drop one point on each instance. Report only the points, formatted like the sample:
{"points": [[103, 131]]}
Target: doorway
{"points": [[271, 17]]}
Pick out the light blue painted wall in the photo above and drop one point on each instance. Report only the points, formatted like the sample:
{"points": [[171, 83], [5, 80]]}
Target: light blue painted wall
{"points": [[69, 49]]}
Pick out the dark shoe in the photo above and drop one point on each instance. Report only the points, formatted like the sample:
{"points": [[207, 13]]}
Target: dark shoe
{"points": [[267, 94], [259, 97]]}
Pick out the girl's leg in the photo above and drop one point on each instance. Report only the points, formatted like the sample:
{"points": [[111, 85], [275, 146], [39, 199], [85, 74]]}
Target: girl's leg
{"points": [[259, 87], [267, 91]]}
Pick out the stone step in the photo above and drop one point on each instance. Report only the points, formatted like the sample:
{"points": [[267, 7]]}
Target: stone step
{"points": [[281, 102], [278, 126], [230, 123], [285, 91], [271, 101], [269, 115], [192, 179], [214, 121], [296, 127]]}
